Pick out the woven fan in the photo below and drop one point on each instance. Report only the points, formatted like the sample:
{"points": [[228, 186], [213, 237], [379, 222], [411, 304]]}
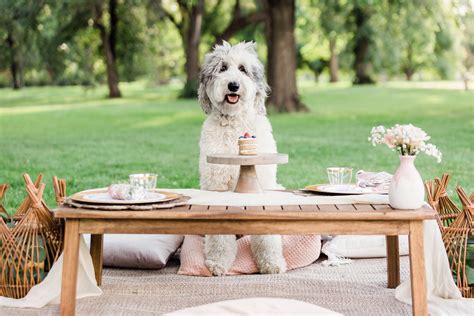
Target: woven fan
{"points": [[5, 234], [3, 211], [33, 245], [24, 206], [456, 238], [439, 200], [59, 186]]}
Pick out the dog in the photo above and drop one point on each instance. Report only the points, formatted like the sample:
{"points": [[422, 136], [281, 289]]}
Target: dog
{"points": [[232, 92]]}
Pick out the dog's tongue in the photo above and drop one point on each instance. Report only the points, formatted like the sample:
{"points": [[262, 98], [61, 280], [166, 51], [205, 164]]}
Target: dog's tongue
{"points": [[233, 98]]}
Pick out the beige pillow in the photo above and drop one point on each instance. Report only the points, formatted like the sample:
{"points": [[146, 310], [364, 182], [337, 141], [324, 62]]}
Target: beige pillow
{"points": [[361, 246], [139, 251]]}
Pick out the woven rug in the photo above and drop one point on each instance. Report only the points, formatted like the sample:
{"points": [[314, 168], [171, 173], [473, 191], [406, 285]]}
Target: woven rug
{"points": [[355, 289]]}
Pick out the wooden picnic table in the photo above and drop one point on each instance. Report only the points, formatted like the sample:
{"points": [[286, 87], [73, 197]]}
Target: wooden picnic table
{"points": [[336, 219]]}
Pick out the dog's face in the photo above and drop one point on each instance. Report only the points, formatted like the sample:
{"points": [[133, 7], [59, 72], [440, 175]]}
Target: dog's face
{"points": [[232, 80]]}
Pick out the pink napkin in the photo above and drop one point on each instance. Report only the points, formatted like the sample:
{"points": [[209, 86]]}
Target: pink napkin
{"points": [[379, 181]]}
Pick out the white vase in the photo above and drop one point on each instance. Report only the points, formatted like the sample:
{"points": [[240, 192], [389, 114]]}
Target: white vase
{"points": [[406, 188]]}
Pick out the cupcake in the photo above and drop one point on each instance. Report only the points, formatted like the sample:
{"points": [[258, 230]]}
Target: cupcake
{"points": [[247, 145]]}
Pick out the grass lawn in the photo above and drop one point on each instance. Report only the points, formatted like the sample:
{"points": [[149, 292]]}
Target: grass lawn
{"points": [[92, 141]]}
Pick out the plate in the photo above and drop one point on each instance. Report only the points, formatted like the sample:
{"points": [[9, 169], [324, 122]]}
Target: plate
{"points": [[101, 196], [349, 189]]}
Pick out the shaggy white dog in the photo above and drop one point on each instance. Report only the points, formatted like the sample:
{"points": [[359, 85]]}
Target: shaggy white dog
{"points": [[232, 93]]}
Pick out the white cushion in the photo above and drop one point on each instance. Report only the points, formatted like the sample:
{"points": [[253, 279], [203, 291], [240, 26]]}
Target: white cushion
{"points": [[359, 246], [139, 251], [257, 306]]}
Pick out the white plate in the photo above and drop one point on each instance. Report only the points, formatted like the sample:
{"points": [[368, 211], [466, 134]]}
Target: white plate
{"points": [[101, 196], [348, 189]]}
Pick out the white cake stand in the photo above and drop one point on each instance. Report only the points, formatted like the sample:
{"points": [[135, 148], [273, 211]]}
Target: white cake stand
{"points": [[248, 180]]}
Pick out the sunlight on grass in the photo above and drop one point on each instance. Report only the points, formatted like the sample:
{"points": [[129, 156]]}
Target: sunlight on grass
{"points": [[44, 108], [166, 120]]}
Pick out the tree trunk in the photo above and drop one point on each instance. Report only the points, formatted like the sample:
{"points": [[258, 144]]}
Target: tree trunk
{"points": [[192, 39], [113, 26], [15, 67], [409, 68], [316, 76], [361, 46], [108, 46], [282, 57], [333, 65]]}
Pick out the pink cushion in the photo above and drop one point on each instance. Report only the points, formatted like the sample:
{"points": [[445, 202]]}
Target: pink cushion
{"points": [[299, 251]]}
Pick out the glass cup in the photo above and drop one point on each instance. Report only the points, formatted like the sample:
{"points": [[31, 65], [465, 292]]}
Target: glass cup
{"points": [[140, 184], [339, 175]]}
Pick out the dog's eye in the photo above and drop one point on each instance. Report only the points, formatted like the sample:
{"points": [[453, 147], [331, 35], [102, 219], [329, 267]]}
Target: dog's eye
{"points": [[242, 68], [223, 68]]}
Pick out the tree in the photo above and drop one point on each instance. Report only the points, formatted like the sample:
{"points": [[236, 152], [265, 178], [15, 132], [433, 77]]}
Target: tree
{"points": [[240, 20], [333, 14], [362, 41], [108, 42], [416, 46], [102, 15], [189, 25], [466, 17], [18, 19], [281, 58]]}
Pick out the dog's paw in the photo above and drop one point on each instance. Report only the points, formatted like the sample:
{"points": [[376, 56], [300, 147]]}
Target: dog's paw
{"points": [[273, 267], [216, 268]]}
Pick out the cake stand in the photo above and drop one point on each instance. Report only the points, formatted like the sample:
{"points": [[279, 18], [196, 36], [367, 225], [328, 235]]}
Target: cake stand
{"points": [[248, 180]]}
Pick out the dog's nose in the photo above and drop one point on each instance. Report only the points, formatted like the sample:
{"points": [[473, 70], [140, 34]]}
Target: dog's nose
{"points": [[233, 86]]}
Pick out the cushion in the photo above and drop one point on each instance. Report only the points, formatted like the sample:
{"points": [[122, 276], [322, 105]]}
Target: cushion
{"points": [[358, 246], [299, 251], [257, 306], [139, 251]]}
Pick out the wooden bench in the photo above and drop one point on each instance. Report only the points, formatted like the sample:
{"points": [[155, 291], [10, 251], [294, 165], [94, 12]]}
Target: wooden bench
{"points": [[337, 219]]}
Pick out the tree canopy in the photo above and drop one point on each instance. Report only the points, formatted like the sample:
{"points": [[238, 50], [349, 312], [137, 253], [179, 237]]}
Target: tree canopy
{"points": [[89, 42]]}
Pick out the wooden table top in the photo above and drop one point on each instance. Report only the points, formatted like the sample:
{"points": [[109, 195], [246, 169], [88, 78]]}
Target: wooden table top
{"points": [[274, 212]]}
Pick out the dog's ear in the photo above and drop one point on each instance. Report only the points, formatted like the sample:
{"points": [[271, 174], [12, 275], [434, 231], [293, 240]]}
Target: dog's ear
{"points": [[203, 98], [262, 92], [258, 73], [209, 65], [251, 47]]}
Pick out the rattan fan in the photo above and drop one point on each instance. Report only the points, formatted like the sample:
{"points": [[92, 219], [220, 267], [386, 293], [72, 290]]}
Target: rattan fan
{"points": [[32, 246], [59, 186], [455, 238], [24, 206], [5, 235], [3, 211], [440, 201]]}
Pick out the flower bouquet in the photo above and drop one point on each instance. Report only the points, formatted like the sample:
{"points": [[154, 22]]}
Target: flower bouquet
{"points": [[406, 188]]}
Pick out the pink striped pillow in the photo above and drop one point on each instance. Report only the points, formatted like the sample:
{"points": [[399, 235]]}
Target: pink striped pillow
{"points": [[299, 251]]}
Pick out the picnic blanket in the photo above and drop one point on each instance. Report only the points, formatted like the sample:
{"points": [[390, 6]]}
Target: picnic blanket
{"points": [[444, 297]]}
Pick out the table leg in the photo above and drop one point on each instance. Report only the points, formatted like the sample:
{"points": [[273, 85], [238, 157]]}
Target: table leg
{"points": [[97, 246], [70, 267], [417, 269], [393, 262]]}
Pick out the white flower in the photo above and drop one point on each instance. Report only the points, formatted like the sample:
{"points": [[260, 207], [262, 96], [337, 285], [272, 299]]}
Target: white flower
{"points": [[406, 139], [377, 135], [432, 150]]}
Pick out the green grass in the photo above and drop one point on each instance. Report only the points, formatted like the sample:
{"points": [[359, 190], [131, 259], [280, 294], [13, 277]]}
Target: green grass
{"points": [[93, 141]]}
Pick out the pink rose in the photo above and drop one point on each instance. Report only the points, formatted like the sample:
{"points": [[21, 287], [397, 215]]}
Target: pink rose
{"points": [[389, 140]]}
